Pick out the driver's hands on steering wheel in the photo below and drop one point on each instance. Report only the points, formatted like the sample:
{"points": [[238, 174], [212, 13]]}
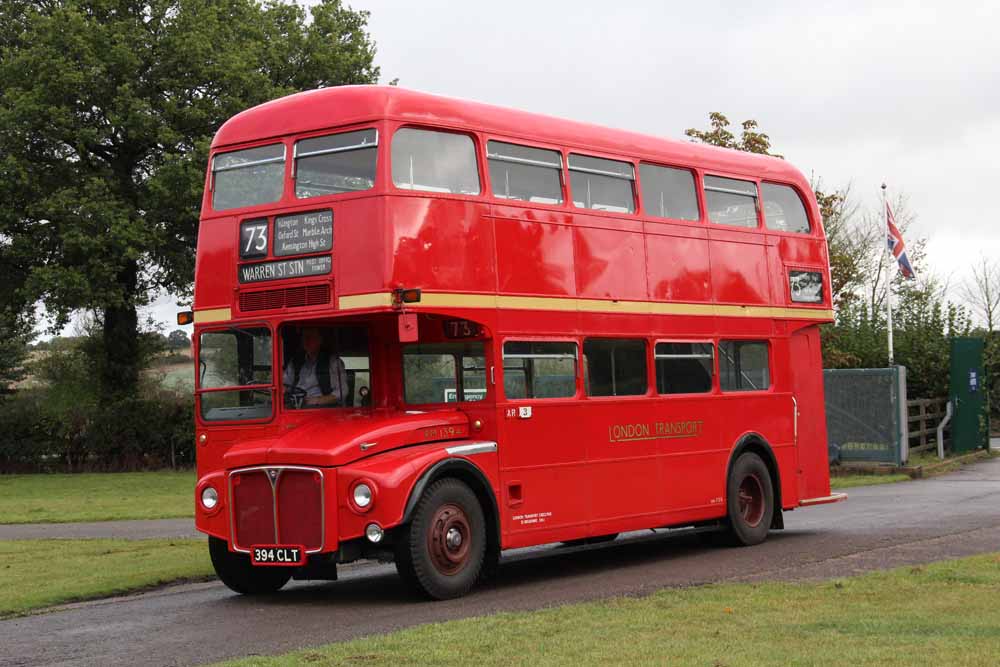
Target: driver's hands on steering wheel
{"points": [[295, 397]]}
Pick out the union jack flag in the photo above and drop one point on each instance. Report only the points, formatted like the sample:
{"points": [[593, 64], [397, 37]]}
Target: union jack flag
{"points": [[894, 240]]}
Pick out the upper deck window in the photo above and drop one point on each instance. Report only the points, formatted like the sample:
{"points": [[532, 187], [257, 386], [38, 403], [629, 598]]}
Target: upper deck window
{"points": [[434, 162], [603, 185], [335, 163], [731, 201], [248, 177], [783, 209], [524, 173], [668, 192]]}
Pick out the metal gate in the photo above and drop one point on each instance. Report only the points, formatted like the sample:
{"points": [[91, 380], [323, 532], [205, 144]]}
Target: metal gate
{"points": [[866, 416]]}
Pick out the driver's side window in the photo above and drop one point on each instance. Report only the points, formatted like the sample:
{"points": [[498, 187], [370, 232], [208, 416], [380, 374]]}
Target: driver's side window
{"points": [[325, 366]]}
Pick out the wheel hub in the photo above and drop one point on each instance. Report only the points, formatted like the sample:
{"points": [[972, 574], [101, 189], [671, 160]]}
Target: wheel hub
{"points": [[751, 500], [448, 539]]}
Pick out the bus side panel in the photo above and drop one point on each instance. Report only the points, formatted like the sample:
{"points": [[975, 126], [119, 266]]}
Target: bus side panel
{"points": [[807, 387]]}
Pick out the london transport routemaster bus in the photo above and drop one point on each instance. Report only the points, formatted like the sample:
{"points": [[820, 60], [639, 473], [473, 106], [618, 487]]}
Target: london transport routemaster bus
{"points": [[428, 330]]}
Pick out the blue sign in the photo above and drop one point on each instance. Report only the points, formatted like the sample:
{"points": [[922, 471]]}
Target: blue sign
{"points": [[973, 381]]}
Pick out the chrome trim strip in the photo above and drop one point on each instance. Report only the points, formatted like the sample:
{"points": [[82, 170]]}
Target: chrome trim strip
{"points": [[473, 448], [342, 149], [712, 188], [274, 497], [242, 165], [598, 172], [521, 160]]}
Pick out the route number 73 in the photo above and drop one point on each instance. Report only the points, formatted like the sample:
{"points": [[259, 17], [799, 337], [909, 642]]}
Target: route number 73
{"points": [[253, 238]]}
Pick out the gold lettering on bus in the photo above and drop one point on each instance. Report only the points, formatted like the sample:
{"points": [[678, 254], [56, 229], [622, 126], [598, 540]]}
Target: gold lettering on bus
{"points": [[665, 430]]}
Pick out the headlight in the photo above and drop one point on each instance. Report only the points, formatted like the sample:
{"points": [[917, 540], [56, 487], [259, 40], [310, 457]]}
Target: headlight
{"points": [[209, 497], [362, 495]]}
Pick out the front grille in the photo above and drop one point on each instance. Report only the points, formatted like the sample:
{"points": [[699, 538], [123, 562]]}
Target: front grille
{"points": [[289, 297], [277, 505]]}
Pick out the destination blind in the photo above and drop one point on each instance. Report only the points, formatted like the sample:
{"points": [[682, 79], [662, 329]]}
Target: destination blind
{"points": [[288, 268]]}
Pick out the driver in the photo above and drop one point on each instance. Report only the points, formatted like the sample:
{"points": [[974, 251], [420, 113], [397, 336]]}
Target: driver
{"points": [[315, 373]]}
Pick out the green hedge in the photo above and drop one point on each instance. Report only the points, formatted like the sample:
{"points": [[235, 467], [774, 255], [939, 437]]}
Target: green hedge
{"points": [[40, 433]]}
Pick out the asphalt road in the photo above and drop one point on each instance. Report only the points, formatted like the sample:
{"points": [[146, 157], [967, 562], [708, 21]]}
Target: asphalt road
{"points": [[125, 530], [878, 527]]}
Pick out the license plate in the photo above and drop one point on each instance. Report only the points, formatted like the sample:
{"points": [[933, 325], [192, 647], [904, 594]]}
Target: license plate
{"points": [[277, 555]]}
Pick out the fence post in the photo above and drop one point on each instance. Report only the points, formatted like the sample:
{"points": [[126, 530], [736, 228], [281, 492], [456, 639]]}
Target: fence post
{"points": [[904, 417]]}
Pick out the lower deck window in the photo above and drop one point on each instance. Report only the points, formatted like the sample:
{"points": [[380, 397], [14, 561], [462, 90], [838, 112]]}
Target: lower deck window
{"points": [[444, 373], [615, 367], [237, 358], [534, 369], [743, 365], [683, 368]]}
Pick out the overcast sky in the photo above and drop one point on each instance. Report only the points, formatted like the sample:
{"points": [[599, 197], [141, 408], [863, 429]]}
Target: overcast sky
{"points": [[851, 93]]}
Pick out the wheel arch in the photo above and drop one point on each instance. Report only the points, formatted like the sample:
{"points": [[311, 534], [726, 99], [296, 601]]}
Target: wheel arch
{"points": [[757, 444], [466, 472]]}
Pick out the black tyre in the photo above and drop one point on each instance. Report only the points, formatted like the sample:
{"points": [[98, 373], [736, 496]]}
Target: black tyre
{"points": [[441, 551], [238, 574], [750, 501]]}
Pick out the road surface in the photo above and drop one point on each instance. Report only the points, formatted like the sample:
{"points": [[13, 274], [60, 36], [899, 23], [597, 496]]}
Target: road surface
{"points": [[878, 527]]}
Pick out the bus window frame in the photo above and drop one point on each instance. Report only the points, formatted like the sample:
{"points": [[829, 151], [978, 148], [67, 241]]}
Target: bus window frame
{"points": [[367, 326], [813, 223], [587, 152], [487, 137], [758, 205], [478, 150], [380, 151], [768, 341], [488, 360], [578, 381], [715, 389], [209, 193], [650, 372], [199, 390], [699, 191]]}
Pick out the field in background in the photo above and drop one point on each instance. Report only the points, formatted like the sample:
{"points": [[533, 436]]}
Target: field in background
{"points": [[42, 573], [941, 614], [96, 497]]}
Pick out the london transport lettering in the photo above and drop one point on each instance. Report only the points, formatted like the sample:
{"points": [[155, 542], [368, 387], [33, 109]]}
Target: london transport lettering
{"points": [[303, 233], [655, 430]]}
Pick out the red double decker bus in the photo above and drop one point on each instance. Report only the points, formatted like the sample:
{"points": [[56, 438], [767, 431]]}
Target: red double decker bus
{"points": [[429, 330]]}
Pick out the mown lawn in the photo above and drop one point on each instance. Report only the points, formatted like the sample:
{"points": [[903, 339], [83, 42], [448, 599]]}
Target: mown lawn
{"points": [[42, 573], [847, 481], [942, 614], [96, 497]]}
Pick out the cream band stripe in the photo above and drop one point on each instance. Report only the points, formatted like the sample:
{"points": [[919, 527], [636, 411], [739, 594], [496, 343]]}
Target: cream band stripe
{"points": [[212, 315], [453, 300]]}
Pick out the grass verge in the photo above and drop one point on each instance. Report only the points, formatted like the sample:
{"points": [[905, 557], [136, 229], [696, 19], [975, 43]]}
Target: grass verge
{"points": [[942, 614], [96, 497], [848, 481], [42, 573]]}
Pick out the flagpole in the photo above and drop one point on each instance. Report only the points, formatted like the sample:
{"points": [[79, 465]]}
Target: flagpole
{"points": [[888, 280]]}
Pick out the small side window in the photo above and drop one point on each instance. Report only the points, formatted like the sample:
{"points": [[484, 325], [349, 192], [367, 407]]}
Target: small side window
{"points": [[431, 373], [434, 162], [743, 365], [603, 185], [783, 209], [539, 369], [731, 201], [668, 192], [683, 368], [615, 367], [524, 173]]}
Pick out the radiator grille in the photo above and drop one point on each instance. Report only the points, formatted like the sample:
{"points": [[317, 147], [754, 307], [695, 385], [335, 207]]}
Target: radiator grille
{"points": [[289, 297], [296, 494]]}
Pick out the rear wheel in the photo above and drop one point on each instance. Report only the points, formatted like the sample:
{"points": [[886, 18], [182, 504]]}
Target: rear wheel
{"points": [[236, 572], [441, 551], [750, 501]]}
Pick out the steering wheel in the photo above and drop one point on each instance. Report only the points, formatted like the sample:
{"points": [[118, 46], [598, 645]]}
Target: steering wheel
{"points": [[295, 397]]}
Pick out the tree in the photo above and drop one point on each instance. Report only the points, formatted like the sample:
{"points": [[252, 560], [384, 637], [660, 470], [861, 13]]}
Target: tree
{"points": [[107, 109], [178, 339], [982, 292], [750, 140]]}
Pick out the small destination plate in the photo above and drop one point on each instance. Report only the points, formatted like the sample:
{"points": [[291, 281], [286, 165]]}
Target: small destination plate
{"points": [[286, 268], [280, 556], [303, 233]]}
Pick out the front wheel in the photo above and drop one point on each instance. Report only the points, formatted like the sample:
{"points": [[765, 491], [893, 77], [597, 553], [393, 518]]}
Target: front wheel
{"points": [[236, 572], [750, 501], [441, 551]]}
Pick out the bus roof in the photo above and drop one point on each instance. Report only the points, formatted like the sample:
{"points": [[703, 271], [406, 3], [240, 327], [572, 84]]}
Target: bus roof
{"points": [[331, 107]]}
